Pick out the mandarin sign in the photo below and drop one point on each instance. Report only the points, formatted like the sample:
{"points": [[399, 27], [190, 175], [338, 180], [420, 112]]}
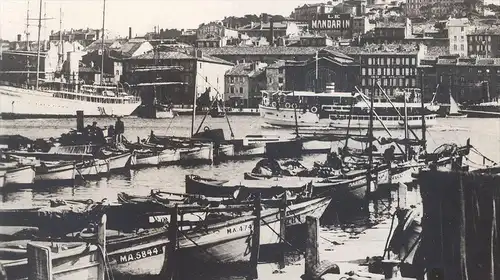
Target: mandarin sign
{"points": [[331, 22]]}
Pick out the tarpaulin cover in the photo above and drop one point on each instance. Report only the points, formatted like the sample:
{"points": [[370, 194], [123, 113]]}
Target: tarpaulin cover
{"points": [[460, 238]]}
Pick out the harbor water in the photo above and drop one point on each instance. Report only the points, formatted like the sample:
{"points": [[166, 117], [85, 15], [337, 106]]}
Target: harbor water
{"points": [[484, 135]]}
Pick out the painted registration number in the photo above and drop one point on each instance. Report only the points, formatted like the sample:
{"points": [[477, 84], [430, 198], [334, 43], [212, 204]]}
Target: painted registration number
{"points": [[140, 254]]}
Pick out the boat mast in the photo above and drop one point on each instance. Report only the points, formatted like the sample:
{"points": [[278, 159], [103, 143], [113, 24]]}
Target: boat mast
{"points": [[295, 112], [316, 74], [406, 127], [194, 95], [102, 41], [370, 145], [422, 109], [61, 45], [28, 27], [38, 51]]}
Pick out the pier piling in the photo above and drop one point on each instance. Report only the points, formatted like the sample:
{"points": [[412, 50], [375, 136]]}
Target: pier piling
{"points": [[254, 259], [282, 231], [311, 254]]}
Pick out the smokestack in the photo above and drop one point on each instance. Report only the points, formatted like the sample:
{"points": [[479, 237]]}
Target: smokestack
{"points": [[19, 37], [130, 33]]}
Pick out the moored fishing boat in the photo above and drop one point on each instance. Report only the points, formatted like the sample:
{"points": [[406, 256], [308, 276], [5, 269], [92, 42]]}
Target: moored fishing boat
{"points": [[118, 161], [91, 168], [169, 155], [144, 158], [55, 171], [18, 175], [197, 153]]}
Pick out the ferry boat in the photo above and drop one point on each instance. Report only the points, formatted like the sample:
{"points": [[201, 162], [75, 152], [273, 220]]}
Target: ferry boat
{"points": [[93, 100], [332, 109]]}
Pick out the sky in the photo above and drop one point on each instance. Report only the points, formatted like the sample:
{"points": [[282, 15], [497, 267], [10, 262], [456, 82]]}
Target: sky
{"points": [[141, 15]]}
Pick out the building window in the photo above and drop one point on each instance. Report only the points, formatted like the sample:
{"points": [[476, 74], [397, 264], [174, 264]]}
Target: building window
{"points": [[241, 89], [280, 80], [462, 29], [200, 65], [363, 71], [455, 38], [232, 80], [280, 70], [232, 89], [454, 47]]}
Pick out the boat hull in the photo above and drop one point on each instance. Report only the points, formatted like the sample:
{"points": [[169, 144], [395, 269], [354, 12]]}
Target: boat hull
{"points": [[285, 117], [139, 160], [118, 162], [92, 168], [196, 154], [61, 172], [168, 156], [25, 103], [24, 175]]}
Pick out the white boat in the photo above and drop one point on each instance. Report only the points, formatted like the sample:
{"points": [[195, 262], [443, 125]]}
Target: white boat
{"points": [[55, 171], [169, 155], [144, 158], [226, 150], [119, 161], [21, 102], [199, 152], [19, 175], [90, 168], [333, 110]]}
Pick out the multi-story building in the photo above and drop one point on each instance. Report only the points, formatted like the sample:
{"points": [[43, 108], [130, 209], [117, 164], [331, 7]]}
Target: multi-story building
{"points": [[187, 74], [270, 30], [361, 25], [243, 84], [457, 35], [84, 36], [310, 11], [484, 42], [265, 54], [328, 67], [393, 66], [468, 80], [275, 75], [214, 34], [390, 32]]}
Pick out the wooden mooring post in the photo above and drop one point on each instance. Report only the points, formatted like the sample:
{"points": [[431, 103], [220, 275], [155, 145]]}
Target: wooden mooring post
{"points": [[254, 258], [282, 242], [171, 260], [311, 254], [314, 268]]}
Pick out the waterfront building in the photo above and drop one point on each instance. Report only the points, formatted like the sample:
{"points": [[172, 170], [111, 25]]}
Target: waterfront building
{"points": [[457, 35], [468, 80], [184, 74], [276, 75], [393, 66], [329, 67], [361, 25], [243, 84], [484, 42], [266, 54], [389, 32]]}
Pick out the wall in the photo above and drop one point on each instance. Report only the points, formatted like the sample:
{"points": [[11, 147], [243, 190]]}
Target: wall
{"points": [[211, 75], [273, 78], [236, 84]]}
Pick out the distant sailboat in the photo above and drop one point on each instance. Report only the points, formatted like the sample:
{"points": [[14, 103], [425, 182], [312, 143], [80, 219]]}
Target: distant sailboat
{"points": [[455, 111]]}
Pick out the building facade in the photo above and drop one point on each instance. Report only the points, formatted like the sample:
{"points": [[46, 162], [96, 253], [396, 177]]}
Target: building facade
{"points": [[484, 42], [276, 75], [214, 34], [243, 84], [394, 67], [184, 74], [457, 35], [310, 11]]}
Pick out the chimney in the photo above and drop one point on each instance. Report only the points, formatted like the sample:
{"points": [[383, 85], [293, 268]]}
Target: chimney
{"points": [[97, 33], [271, 33], [130, 33], [19, 37]]}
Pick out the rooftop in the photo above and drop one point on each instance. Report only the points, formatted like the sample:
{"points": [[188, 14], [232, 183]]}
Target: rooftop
{"points": [[180, 55], [469, 61], [485, 31], [263, 25], [262, 50], [245, 69]]}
